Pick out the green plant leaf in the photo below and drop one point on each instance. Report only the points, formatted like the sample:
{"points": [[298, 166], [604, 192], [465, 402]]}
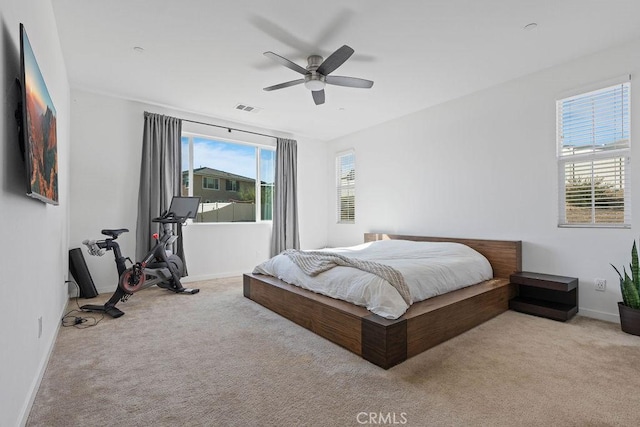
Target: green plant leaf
{"points": [[624, 291], [634, 267], [630, 295], [614, 267], [630, 286], [634, 299]]}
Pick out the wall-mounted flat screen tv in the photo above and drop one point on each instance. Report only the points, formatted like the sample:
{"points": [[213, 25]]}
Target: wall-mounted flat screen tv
{"points": [[38, 128]]}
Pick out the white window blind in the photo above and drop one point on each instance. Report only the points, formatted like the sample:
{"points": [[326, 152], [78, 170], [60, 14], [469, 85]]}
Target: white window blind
{"points": [[346, 187], [594, 157]]}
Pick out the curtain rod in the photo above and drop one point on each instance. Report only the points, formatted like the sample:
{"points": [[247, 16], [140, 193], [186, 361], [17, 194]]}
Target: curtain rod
{"points": [[229, 128]]}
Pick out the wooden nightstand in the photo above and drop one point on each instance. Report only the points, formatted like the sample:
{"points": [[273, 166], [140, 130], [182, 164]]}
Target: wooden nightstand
{"points": [[545, 295]]}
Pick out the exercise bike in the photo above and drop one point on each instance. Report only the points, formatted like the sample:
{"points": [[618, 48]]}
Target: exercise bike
{"points": [[159, 267]]}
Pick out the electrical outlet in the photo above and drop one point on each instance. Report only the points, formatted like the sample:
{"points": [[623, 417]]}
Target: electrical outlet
{"points": [[601, 285]]}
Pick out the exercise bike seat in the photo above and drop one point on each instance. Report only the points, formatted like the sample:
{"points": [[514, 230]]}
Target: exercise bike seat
{"points": [[114, 233]]}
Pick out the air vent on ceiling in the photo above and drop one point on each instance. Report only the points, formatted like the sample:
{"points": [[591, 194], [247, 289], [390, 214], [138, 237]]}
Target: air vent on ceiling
{"points": [[247, 108]]}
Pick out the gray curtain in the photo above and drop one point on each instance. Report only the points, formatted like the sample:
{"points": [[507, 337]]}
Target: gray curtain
{"points": [[285, 204], [160, 178]]}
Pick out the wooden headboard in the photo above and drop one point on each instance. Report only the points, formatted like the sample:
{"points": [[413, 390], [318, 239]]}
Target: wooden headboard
{"points": [[505, 256]]}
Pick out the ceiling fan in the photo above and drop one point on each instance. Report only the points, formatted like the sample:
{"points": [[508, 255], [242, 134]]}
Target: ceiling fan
{"points": [[316, 75]]}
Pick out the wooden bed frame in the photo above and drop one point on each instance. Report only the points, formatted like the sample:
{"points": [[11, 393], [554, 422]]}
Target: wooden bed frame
{"points": [[426, 324]]}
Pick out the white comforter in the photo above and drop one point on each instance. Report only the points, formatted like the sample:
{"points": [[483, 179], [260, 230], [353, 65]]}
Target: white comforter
{"points": [[429, 269]]}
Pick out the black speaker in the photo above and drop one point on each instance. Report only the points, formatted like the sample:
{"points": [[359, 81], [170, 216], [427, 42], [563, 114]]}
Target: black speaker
{"points": [[79, 270]]}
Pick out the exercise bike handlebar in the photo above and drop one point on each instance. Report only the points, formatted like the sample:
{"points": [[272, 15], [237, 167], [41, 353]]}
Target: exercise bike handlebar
{"points": [[93, 247], [171, 218]]}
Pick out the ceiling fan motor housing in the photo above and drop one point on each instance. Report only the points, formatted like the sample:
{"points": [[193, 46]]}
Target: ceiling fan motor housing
{"points": [[314, 62], [313, 80]]}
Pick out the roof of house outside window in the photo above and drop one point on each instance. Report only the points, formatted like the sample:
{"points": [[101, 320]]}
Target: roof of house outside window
{"points": [[205, 171]]}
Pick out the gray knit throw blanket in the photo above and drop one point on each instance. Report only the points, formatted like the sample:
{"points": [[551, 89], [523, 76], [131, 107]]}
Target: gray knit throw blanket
{"points": [[313, 263]]}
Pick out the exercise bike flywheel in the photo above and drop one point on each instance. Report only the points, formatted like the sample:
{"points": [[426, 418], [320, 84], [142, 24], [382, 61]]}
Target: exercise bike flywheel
{"points": [[132, 280]]}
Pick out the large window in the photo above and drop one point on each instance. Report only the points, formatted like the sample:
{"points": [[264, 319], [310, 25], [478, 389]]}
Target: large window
{"points": [[593, 158], [234, 180], [346, 187]]}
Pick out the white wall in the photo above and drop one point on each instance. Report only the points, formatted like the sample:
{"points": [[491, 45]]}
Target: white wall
{"points": [[33, 254], [106, 137], [481, 166], [484, 166]]}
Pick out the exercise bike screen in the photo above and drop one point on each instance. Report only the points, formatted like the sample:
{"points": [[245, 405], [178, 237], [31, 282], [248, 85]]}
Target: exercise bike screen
{"points": [[185, 207]]}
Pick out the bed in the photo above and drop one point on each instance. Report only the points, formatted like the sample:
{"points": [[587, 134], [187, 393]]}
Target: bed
{"points": [[387, 342]]}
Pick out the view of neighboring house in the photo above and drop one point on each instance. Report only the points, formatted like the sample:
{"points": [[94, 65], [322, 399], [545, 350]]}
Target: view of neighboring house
{"points": [[224, 196]]}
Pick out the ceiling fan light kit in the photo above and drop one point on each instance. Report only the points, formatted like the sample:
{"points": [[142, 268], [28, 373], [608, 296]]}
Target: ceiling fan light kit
{"points": [[316, 75], [314, 81]]}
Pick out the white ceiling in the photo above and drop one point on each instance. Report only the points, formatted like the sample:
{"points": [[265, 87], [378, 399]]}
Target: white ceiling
{"points": [[205, 56]]}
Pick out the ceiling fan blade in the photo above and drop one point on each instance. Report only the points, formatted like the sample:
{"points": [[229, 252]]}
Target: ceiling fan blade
{"points": [[284, 61], [335, 27], [283, 85], [280, 34], [335, 60], [318, 96], [349, 82]]}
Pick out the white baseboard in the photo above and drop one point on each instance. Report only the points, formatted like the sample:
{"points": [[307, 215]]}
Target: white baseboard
{"points": [[594, 314], [35, 385], [190, 279]]}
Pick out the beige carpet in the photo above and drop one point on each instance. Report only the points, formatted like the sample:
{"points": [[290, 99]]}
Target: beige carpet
{"points": [[218, 359]]}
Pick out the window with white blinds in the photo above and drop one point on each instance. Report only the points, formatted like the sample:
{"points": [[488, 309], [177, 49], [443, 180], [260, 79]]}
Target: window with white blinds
{"points": [[594, 157], [346, 187]]}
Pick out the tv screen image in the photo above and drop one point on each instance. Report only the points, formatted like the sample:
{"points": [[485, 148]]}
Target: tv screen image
{"points": [[38, 127]]}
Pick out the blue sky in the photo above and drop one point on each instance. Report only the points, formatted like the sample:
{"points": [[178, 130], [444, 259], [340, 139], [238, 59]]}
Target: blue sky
{"points": [[34, 80], [599, 118], [234, 158]]}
